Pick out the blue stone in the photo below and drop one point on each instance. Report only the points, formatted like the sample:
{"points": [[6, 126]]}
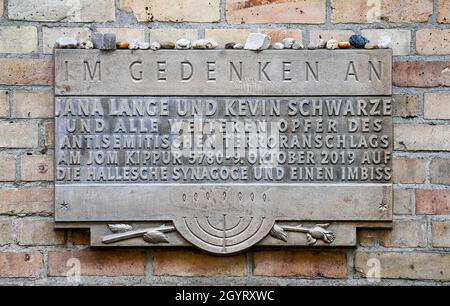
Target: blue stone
{"points": [[358, 41]]}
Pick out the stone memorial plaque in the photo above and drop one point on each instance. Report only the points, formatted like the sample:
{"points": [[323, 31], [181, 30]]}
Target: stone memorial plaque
{"points": [[223, 149]]}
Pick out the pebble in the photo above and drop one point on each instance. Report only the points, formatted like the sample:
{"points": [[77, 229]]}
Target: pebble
{"points": [[205, 43], [371, 46], [332, 44], [320, 45], [87, 45], [104, 41], [155, 46], [344, 45], [238, 46], [257, 42], [230, 45], [134, 45], [144, 46], [385, 42], [297, 46], [66, 43], [167, 45], [358, 41], [122, 45], [288, 42], [278, 46], [183, 44]]}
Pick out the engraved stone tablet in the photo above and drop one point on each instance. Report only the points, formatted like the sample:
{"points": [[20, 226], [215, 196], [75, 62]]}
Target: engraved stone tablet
{"points": [[223, 149]]}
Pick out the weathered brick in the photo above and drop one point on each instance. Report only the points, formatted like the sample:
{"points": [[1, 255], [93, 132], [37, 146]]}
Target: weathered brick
{"points": [[7, 168], [172, 34], [402, 201], [367, 238], [433, 202], [443, 11], [22, 264], [300, 263], [17, 71], [61, 11], [36, 168], [38, 232], [363, 11], [173, 10], [26, 201], [408, 170], [19, 39], [441, 234], [440, 171], [193, 263], [421, 137], [125, 34], [140, 8], [355, 11], [405, 265], [223, 36], [280, 34], [405, 234], [5, 232], [339, 35], [81, 237], [18, 134], [406, 106], [401, 39], [28, 104], [279, 11], [406, 11], [98, 263], [437, 105], [433, 42], [50, 35], [49, 134], [421, 73], [4, 104]]}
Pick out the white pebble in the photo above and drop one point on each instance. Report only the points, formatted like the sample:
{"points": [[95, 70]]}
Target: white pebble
{"points": [[385, 42], [183, 44], [278, 46]]}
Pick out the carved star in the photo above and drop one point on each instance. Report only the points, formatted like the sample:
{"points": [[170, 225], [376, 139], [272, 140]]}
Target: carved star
{"points": [[64, 205], [383, 206]]}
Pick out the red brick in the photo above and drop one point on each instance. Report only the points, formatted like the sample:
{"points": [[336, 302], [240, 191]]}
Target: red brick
{"points": [[421, 73], [433, 202], [39, 232], [26, 71], [23, 264], [276, 11], [193, 263], [300, 263], [98, 263], [26, 201]]}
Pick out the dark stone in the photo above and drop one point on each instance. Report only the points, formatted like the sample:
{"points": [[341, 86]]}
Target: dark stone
{"points": [[358, 41], [104, 41], [230, 45]]}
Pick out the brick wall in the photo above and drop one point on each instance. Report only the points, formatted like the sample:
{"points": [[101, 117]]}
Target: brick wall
{"points": [[416, 250]]}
